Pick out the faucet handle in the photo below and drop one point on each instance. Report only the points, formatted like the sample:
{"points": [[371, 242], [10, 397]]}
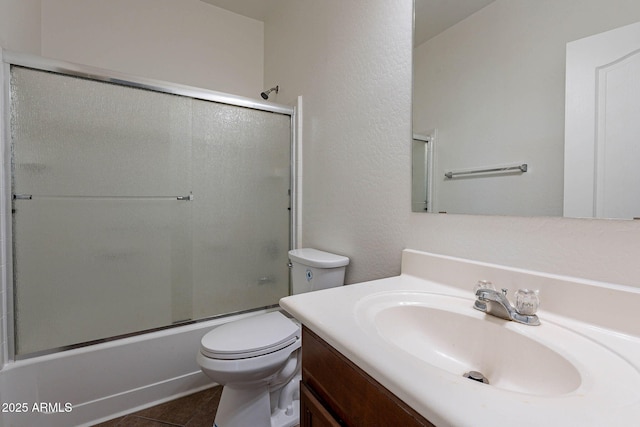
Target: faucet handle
{"points": [[483, 284], [480, 285], [527, 301]]}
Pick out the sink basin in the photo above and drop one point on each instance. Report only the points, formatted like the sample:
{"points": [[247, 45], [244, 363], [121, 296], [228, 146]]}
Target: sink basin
{"points": [[417, 334], [447, 333]]}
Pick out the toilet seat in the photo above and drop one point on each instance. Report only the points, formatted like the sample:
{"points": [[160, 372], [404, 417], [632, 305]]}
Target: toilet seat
{"points": [[250, 337]]}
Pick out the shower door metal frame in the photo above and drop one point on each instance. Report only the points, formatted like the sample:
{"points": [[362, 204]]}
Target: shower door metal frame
{"points": [[8, 59]]}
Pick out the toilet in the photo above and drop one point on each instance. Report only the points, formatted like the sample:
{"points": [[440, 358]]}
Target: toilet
{"points": [[257, 359]]}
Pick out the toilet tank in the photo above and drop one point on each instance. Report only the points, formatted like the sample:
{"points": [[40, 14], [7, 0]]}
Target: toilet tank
{"points": [[312, 270]]}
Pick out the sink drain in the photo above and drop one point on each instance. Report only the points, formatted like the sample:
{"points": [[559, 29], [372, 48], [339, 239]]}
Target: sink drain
{"points": [[476, 376]]}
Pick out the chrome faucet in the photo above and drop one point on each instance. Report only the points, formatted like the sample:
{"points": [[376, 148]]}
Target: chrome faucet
{"points": [[497, 304]]}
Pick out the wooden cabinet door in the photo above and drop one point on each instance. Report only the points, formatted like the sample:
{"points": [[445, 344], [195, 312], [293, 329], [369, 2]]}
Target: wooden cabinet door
{"points": [[350, 394], [312, 412]]}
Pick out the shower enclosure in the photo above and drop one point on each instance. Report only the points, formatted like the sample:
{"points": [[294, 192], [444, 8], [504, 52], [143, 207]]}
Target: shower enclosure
{"points": [[137, 205]]}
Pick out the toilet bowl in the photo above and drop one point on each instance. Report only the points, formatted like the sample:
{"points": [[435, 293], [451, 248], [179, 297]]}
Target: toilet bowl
{"points": [[257, 359], [254, 358]]}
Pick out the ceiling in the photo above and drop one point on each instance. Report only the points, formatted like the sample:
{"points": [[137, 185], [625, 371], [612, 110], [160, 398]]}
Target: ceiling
{"points": [[432, 16], [435, 16], [256, 9]]}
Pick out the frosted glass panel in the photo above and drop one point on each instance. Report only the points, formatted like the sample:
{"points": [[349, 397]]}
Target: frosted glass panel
{"points": [[69, 134], [241, 226], [103, 247], [93, 268]]}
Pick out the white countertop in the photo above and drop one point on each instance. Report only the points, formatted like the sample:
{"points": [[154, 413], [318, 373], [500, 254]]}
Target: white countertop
{"points": [[609, 393]]}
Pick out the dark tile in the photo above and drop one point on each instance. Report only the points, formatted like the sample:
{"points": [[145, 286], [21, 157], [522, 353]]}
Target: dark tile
{"points": [[111, 423], [201, 419], [181, 410], [206, 412], [133, 421]]}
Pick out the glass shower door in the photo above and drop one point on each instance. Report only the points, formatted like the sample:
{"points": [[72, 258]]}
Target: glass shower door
{"points": [[241, 169], [101, 241], [135, 209]]}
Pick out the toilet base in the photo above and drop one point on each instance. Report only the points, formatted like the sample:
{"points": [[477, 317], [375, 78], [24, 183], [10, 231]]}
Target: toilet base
{"points": [[281, 417], [252, 407]]}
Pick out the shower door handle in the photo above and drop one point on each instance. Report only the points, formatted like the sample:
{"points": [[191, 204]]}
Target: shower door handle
{"points": [[185, 198], [22, 197]]}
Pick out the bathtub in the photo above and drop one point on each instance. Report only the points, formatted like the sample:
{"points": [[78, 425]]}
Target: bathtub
{"points": [[92, 384]]}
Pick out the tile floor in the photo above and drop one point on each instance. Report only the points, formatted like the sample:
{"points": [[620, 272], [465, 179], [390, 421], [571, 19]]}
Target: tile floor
{"points": [[195, 410]]}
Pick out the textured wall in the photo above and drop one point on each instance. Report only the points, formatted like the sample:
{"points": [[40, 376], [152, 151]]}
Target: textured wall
{"points": [[603, 250], [351, 62], [181, 41]]}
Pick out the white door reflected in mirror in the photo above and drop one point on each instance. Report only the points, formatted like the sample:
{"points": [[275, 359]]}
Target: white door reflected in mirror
{"points": [[422, 197], [602, 126]]}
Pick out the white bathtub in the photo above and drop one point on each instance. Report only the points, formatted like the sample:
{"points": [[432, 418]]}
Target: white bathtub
{"points": [[89, 385]]}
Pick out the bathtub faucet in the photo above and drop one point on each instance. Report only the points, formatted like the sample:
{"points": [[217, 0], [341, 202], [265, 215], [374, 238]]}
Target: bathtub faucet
{"points": [[497, 304]]}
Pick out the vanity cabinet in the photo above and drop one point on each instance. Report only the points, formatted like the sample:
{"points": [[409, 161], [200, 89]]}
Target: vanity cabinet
{"points": [[335, 392]]}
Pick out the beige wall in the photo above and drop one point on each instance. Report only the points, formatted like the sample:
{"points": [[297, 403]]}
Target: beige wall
{"points": [[180, 41], [20, 25], [350, 64]]}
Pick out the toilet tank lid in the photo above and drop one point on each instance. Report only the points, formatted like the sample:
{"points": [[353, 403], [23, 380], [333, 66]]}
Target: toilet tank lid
{"points": [[315, 258]]}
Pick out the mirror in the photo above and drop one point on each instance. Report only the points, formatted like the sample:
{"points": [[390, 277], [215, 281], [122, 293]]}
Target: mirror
{"points": [[489, 85]]}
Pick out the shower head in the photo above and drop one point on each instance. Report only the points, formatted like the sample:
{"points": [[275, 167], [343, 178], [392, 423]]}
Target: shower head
{"points": [[265, 94]]}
